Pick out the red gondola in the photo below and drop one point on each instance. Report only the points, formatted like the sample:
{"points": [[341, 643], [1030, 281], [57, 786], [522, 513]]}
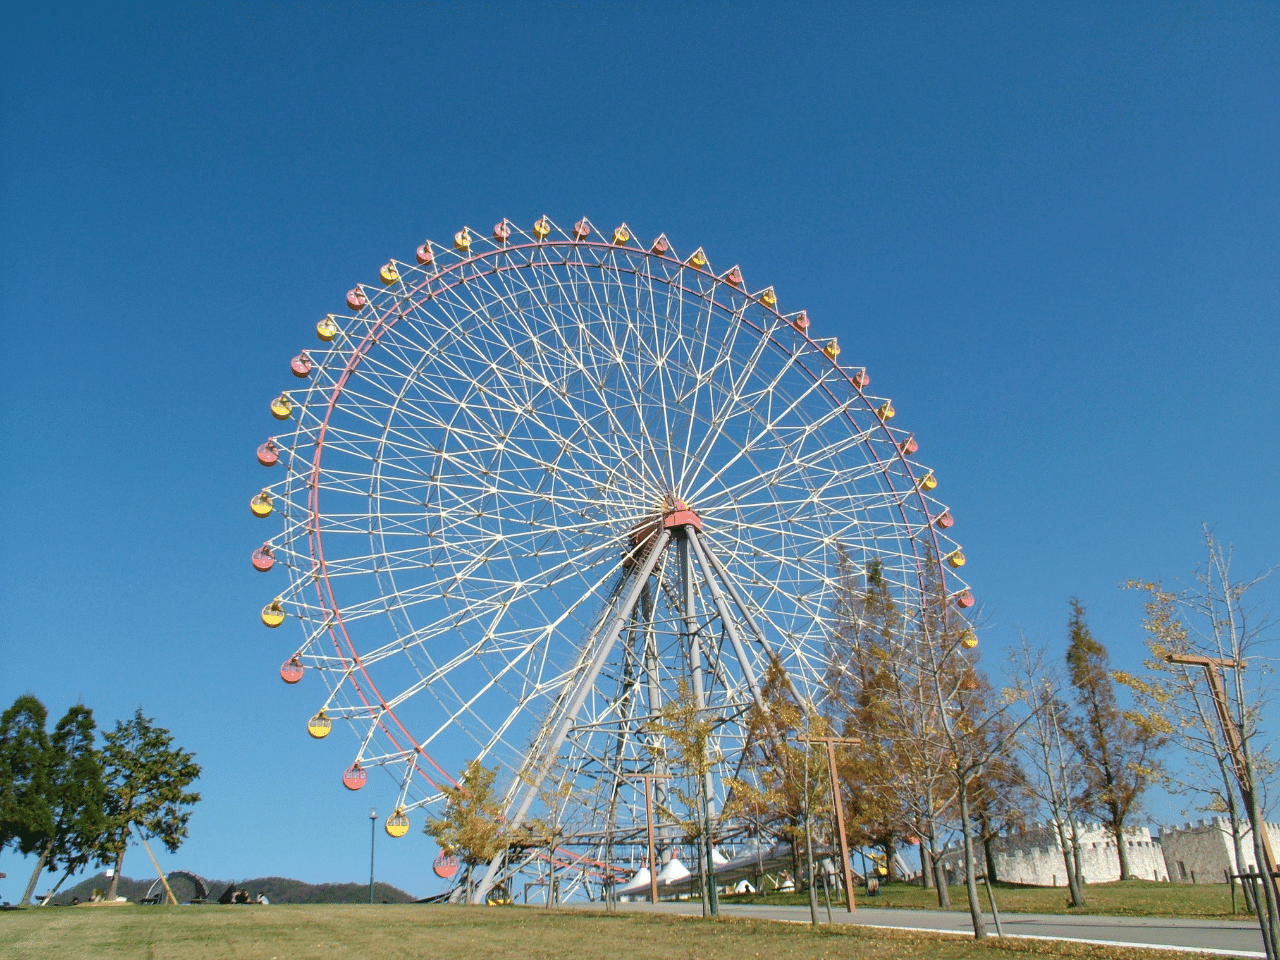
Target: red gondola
{"points": [[355, 777], [263, 559]]}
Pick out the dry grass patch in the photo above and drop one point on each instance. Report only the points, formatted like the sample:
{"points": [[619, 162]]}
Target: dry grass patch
{"points": [[411, 932]]}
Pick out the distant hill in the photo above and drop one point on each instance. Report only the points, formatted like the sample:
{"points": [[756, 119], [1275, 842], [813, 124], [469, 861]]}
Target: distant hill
{"points": [[277, 889]]}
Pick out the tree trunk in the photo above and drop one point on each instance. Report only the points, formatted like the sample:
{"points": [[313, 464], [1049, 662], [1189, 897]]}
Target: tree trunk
{"points": [[926, 864], [938, 874], [1237, 840], [1069, 862], [1259, 823], [970, 875], [989, 855], [1077, 855], [702, 878], [890, 849], [1117, 827], [35, 874], [115, 877], [940, 878]]}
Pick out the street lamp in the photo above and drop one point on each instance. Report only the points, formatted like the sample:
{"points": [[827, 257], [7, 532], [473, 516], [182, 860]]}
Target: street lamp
{"points": [[373, 836]]}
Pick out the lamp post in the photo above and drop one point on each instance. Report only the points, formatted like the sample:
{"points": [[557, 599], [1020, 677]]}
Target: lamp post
{"points": [[373, 837]]}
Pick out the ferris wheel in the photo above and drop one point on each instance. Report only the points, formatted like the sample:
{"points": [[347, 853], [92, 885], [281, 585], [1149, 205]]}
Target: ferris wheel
{"points": [[534, 485]]}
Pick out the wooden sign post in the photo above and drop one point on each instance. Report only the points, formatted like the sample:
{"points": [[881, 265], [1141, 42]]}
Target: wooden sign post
{"points": [[648, 816]]}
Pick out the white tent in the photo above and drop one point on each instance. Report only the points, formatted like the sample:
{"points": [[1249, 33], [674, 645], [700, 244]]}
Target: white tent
{"points": [[673, 872], [637, 884]]}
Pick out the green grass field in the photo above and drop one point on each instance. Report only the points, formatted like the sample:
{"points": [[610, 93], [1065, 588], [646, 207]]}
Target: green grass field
{"points": [[1132, 898], [410, 932]]}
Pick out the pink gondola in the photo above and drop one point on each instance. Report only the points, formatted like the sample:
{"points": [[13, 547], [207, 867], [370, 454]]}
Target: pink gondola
{"points": [[355, 777], [268, 454], [263, 558], [300, 366], [356, 299], [291, 671]]}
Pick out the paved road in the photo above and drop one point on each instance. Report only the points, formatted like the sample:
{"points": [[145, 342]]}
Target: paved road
{"points": [[1237, 938]]}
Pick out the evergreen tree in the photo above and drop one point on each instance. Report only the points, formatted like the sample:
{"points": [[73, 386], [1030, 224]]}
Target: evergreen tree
{"points": [[147, 779], [77, 796], [861, 682], [1117, 751], [26, 819], [770, 792]]}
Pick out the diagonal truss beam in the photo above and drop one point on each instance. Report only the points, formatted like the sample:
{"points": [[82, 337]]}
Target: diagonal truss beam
{"points": [[586, 682]]}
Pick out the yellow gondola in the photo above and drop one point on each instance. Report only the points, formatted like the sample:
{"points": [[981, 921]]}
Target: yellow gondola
{"points": [[273, 613], [462, 240], [319, 726], [388, 274], [832, 349], [621, 235], [397, 824], [261, 504], [928, 481], [768, 297], [282, 407], [326, 329], [697, 259], [542, 228], [956, 559], [968, 639]]}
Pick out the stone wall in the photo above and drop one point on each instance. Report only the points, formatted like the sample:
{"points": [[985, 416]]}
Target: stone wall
{"points": [[1204, 852], [1034, 856]]}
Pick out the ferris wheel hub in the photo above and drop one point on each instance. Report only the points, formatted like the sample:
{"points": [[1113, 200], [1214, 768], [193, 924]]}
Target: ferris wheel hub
{"points": [[678, 515], [674, 515]]}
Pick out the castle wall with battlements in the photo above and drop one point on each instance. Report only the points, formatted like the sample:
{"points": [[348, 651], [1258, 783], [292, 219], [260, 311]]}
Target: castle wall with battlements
{"points": [[1034, 856], [1203, 853]]}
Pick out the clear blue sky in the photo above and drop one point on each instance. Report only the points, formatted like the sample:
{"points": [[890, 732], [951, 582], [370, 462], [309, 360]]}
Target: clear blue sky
{"points": [[1051, 233]]}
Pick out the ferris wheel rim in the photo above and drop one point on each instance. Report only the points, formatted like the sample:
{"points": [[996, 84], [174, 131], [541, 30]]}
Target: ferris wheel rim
{"points": [[388, 319]]}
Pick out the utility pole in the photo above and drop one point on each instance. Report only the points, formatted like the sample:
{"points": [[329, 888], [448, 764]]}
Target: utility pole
{"points": [[839, 805], [648, 816], [373, 836], [1213, 670]]}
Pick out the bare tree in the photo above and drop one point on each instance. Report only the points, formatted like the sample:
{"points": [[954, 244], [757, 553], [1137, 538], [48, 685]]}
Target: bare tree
{"points": [[967, 721], [1212, 617], [1051, 763]]}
